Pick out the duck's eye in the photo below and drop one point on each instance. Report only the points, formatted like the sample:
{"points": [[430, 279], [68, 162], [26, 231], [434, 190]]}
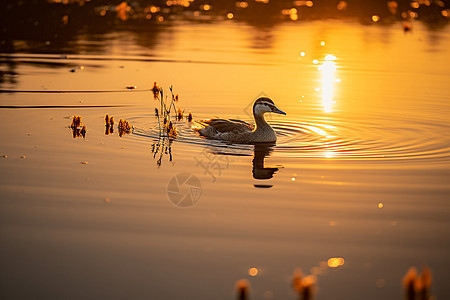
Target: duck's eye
{"points": [[266, 104]]}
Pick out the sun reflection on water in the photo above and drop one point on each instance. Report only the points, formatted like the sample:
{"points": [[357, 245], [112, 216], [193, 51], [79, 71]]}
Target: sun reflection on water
{"points": [[328, 154], [328, 69]]}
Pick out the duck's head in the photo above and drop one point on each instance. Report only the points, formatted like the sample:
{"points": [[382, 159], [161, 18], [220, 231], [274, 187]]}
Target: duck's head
{"points": [[263, 105]]}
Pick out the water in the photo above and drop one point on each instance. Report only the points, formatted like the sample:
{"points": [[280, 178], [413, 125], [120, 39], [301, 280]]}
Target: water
{"points": [[360, 169]]}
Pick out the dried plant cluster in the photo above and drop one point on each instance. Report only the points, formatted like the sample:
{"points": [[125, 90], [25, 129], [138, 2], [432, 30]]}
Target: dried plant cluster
{"points": [[164, 113], [416, 286], [305, 287], [123, 127], [78, 128], [109, 124]]}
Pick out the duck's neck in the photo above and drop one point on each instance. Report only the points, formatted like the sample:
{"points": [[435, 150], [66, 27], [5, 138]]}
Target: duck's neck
{"points": [[263, 132], [261, 124]]}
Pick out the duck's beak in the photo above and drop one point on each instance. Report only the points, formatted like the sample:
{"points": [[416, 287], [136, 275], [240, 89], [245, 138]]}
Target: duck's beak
{"points": [[277, 110]]}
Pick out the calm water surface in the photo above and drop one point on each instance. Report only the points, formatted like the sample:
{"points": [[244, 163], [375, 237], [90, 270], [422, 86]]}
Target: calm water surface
{"points": [[360, 170]]}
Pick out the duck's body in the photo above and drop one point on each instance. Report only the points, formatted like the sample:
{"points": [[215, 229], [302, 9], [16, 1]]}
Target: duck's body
{"points": [[237, 131]]}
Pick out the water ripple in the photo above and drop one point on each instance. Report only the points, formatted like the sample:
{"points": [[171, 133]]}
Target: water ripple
{"points": [[335, 139]]}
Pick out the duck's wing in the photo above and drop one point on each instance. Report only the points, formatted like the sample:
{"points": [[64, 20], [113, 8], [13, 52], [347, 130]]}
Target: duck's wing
{"points": [[230, 125]]}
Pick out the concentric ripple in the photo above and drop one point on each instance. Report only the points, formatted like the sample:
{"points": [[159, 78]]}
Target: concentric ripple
{"points": [[330, 138]]}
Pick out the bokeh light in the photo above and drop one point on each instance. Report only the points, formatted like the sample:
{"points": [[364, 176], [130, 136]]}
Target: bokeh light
{"points": [[335, 262], [253, 271]]}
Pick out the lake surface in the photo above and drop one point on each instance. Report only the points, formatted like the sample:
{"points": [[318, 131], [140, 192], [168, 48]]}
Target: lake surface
{"points": [[360, 170]]}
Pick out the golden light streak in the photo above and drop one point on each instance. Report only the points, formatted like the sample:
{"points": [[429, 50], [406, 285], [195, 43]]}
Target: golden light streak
{"points": [[317, 130], [328, 68]]}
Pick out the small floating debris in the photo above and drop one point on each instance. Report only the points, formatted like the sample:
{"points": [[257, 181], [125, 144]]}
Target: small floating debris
{"points": [[23, 156], [84, 162], [107, 200], [80, 68], [132, 87], [263, 186], [4, 156]]}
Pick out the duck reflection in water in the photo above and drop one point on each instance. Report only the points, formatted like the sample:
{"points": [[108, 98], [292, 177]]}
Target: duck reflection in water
{"points": [[260, 152]]}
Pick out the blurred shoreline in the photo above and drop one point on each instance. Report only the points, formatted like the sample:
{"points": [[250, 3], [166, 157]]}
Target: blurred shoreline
{"points": [[31, 26]]}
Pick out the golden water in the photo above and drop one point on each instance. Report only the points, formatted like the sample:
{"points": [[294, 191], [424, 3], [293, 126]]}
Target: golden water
{"points": [[360, 170]]}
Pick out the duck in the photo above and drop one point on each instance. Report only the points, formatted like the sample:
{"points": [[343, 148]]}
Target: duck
{"points": [[238, 131]]}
